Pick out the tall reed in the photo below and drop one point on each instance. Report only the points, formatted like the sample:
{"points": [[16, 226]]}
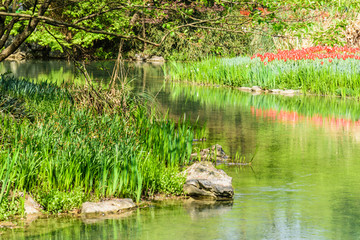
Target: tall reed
{"points": [[69, 145]]}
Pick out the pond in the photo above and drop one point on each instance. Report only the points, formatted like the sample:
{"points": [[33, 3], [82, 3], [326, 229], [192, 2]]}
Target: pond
{"points": [[304, 182]]}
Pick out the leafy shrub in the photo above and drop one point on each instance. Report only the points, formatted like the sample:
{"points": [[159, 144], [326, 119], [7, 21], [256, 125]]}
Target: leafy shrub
{"points": [[10, 207], [172, 182], [56, 201]]}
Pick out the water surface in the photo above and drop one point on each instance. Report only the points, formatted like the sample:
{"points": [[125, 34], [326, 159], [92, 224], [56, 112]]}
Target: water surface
{"points": [[303, 183]]}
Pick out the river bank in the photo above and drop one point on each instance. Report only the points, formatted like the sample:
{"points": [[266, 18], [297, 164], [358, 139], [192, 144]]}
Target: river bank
{"points": [[66, 145], [205, 185], [316, 70]]}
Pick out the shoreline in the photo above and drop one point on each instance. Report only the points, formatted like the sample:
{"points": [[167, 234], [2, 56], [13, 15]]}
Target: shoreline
{"points": [[258, 90], [24, 221]]}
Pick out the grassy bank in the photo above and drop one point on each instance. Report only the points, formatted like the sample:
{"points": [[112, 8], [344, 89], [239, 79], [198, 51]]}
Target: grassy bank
{"points": [[63, 147], [328, 75]]}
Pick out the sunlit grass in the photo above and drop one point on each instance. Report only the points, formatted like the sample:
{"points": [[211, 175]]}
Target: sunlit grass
{"points": [[339, 77], [67, 145]]}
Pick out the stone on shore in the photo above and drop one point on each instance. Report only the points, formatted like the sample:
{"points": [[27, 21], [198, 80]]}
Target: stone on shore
{"points": [[256, 89], [204, 181], [156, 59], [109, 206], [245, 89], [17, 56], [31, 206], [291, 92], [213, 153], [275, 91]]}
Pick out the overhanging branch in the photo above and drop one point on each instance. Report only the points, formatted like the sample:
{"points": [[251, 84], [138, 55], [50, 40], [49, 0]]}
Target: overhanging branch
{"points": [[57, 23]]}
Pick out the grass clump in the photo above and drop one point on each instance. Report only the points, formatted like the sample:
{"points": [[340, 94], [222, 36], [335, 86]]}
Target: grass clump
{"points": [[55, 201], [10, 207], [83, 144]]}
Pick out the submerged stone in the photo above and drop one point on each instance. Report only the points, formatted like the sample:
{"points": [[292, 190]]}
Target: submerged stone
{"points": [[204, 181], [109, 206]]}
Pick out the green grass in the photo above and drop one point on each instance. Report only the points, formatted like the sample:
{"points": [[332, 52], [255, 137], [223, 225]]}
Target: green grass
{"points": [[68, 145], [339, 78]]}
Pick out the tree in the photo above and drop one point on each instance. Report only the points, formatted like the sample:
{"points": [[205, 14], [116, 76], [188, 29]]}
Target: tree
{"points": [[91, 19], [7, 25], [80, 22]]}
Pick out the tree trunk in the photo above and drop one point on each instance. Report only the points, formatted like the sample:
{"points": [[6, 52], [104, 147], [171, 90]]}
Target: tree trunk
{"points": [[20, 38]]}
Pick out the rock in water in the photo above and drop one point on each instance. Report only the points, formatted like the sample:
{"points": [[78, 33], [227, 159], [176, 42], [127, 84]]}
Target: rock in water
{"points": [[109, 206], [213, 153], [204, 181]]}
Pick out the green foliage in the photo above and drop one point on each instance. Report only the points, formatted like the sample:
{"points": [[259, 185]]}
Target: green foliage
{"points": [[170, 142], [10, 207], [195, 29], [194, 44], [171, 182], [55, 201], [161, 179], [333, 35], [13, 106], [44, 38]]}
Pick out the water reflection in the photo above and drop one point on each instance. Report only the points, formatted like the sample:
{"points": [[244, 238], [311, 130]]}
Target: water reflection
{"points": [[206, 209], [225, 109]]}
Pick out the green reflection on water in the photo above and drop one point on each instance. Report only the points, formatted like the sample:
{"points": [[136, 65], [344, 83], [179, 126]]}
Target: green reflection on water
{"points": [[304, 182], [309, 106]]}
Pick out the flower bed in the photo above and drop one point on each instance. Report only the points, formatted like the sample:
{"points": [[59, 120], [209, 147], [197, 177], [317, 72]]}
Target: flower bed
{"points": [[311, 53]]}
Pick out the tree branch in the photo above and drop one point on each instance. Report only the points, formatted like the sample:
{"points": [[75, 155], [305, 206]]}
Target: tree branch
{"points": [[219, 29], [20, 38], [97, 14], [57, 23], [6, 32]]}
